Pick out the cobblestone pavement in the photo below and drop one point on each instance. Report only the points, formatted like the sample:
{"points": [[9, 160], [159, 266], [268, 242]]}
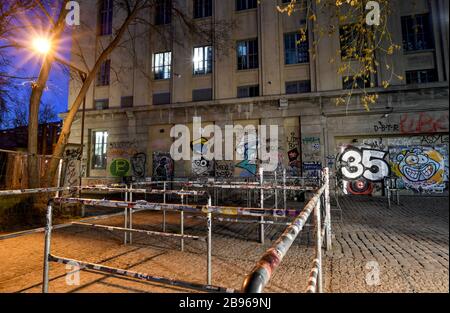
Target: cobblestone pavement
{"points": [[403, 249]]}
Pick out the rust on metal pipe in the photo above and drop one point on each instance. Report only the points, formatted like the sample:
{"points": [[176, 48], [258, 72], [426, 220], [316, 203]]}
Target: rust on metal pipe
{"points": [[256, 281]]}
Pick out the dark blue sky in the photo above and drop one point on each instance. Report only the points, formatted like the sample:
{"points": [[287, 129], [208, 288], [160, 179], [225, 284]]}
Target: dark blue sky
{"points": [[57, 88]]}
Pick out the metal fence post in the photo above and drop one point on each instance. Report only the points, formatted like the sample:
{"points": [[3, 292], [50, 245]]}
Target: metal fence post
{"points": [[261, 219], [164, 211], [182, 224], [48, 238], [125, 213], [284, 190], [318, 244], [130, 212], [209, 244], [327, 209]]}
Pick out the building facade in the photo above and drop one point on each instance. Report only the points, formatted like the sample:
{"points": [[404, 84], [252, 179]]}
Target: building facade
{"points": [[254, 71]]}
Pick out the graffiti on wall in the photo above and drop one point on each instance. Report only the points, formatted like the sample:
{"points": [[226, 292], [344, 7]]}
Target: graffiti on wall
{"points": [[420, 168], [122, 149], [312, 169], [203, 168], [224, 169], [139, 164], [247, 149], [72, 158], [423, 123], [360, 169], [163, 166], [120, 168], [382, 127]]}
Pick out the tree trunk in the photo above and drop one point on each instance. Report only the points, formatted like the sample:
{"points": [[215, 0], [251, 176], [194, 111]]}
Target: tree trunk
{"points": [[67, 124], [35, 101]]}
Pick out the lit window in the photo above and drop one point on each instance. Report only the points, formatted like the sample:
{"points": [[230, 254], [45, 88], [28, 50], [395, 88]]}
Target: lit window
{"points": [[100, 145], [247, 54], [202, 60], [162, 65]]}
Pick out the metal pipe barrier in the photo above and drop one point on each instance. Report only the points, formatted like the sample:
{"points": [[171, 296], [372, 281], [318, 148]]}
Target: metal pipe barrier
{"points": [[48, 257], [259, 277]]}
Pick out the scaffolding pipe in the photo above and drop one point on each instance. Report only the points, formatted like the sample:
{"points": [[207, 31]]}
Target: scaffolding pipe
{"points": [[258, 278], [137, 275], [48, 238]]}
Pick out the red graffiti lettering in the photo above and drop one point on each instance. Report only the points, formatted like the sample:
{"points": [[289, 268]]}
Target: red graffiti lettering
{"points": [[423, 123]]}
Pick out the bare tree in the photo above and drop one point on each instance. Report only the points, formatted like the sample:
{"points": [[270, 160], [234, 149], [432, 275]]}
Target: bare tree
{"points": [[133, 13]]}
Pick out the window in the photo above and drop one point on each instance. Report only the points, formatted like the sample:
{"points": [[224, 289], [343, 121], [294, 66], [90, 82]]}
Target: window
{"points": [[246, 4], [163, 12], [106, 17], [101, 104], [247, 53], [349, 82], [161, 98], [301, 86], [126, 102], [296, 51], [162, 65], [421, 76], [103, 76], [203, 60], [248, 91], [352, 41], [417, 32], [202, 8], [100, 144], [202, 94]]}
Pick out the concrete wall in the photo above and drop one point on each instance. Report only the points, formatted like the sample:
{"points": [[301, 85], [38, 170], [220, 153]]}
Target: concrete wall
{"points": [[312, 129]]}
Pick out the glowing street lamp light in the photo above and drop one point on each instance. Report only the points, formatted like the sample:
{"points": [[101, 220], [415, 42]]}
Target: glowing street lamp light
{"points": [[42, 45]]}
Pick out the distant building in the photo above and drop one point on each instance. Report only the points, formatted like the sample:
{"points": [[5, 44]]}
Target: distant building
{"points": [[265, 79]]}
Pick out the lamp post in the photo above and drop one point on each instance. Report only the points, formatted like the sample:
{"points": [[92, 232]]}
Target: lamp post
{"points": [[44, 46]]}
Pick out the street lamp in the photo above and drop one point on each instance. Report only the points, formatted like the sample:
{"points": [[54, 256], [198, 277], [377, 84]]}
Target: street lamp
{"points": [[44, 46]]}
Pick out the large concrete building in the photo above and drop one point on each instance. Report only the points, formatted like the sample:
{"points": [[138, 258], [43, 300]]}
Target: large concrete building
{"points": [[253, 71]]}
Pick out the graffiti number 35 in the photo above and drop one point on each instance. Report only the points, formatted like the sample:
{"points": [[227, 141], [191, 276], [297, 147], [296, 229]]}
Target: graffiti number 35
{"points": [[367, 163]]}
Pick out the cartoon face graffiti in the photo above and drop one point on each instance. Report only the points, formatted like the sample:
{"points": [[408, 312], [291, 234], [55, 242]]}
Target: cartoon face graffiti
{"points": [[418, 166]]}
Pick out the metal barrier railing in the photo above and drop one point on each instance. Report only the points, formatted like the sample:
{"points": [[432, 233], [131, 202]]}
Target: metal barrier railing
{"points": [[259, 277], [131, 207]]}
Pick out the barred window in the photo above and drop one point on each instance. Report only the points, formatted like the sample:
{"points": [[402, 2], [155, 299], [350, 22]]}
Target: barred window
{"points": [[349, 82]]}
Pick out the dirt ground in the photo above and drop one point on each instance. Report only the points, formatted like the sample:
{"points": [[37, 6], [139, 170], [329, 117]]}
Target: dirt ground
{"points": [[406, 245]]}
